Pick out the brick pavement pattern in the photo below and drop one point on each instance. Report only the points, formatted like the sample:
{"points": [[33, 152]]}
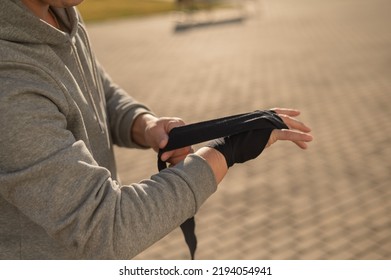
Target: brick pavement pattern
{"points": [[330, 59]]}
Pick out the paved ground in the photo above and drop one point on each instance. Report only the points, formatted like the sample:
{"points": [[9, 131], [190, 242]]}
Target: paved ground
{"points": [[332, 60]]}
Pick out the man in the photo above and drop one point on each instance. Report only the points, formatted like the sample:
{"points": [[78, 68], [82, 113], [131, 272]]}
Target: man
{"points": [[60, 115]]}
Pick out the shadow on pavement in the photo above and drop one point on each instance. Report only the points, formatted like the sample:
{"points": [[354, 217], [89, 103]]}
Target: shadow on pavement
{"points": [[187, 26]]}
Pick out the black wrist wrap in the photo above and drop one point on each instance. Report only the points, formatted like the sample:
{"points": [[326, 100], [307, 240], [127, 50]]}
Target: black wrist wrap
{"points": [[231, 133]]}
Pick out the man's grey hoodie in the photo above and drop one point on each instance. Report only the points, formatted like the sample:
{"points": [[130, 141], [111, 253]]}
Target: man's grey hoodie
{"points": [[60, 115]]}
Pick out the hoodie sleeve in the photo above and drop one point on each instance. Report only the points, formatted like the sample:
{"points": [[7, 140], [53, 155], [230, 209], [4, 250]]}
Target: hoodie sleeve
{"points": [[54, 180], [122, 110]]}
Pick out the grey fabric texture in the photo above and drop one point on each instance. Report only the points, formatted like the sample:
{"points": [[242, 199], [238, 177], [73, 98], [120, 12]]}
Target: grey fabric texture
{"points": [[60, 116]]}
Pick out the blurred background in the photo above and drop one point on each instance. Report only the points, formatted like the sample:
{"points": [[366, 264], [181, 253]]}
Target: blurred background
{"points": [[330, 59]]}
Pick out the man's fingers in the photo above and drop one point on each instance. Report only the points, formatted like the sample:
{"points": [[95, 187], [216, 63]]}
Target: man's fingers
{"points": [[287, 111], [299, 138], [168, 125], [286, 134], [174, 122], [300, 144], [287, 115], [293, 123], [176, 154]]}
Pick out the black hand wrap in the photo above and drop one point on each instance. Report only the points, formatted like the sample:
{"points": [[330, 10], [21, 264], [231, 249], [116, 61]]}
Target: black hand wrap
{"points": [[244, 146], [239, 138]]}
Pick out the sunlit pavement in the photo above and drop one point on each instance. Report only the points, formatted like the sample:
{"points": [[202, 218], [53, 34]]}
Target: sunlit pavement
{"points": [[330, 59]]}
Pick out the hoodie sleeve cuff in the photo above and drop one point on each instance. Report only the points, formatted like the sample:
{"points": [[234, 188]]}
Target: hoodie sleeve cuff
{"points": [[199, 177]]}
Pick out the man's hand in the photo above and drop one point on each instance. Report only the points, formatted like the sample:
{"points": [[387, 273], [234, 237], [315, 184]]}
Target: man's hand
{"points": [[298, 132], [150, 131], [244, 146]]}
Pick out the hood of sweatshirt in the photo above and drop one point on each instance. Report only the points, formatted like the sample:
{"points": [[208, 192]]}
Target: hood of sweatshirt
{"points": [[64, 58], [20, 27], [31, 29]]}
